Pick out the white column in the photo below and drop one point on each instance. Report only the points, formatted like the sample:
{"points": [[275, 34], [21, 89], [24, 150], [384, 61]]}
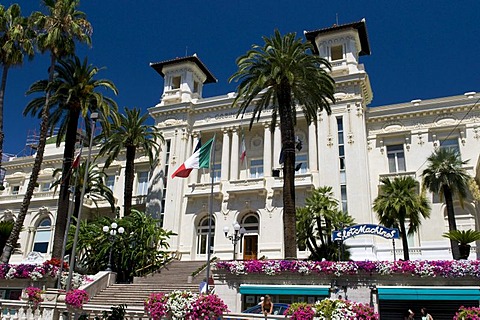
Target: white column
{"points": [[235, 157], [277, 146], [312, 148], [193, 178], [267, 150], [225, 155]]}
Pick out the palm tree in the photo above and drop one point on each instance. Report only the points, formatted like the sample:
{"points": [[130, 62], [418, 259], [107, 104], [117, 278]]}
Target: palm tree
{"points": [[129, 131], [399, 201], [57, 33], [446, 177], [285, 76], [316, 222], [96, 190], [16, 41], [74, 92]]}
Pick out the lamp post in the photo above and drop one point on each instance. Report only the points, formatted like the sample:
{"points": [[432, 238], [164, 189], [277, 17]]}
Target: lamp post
{"points": [[93, 119], [112, 230], [238, 232]]}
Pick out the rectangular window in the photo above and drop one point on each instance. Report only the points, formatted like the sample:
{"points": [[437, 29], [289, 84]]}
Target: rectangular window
{"points": [[42, 237], [396, 158], [341, 158], [110, 182], [343, 189], [142, 186], [168, 146], [195, 86], [337, 52], [15, 189], [256, 168], [46, 186], [176, 82], [301, 162], [450, 144], [217, 172]]}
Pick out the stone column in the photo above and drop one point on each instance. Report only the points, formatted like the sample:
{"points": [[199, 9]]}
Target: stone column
{"points": [[312, 149], [277, 146], [267, 150], [225, 155], [193, 178], [235, 157]]}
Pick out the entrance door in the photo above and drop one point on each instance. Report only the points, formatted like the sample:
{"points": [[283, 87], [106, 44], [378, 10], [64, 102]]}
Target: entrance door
{"points": [[250, 247]]}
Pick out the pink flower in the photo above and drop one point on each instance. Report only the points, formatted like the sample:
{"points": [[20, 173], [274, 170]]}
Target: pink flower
{"points": [[76, 298]]}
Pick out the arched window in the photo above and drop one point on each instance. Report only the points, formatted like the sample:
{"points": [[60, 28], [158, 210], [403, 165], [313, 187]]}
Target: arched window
{"points": [[202, 235], [250, 223], [42, 236]]}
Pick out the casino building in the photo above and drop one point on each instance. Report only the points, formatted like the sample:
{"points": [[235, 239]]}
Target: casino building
{"points": [[349, 150]]}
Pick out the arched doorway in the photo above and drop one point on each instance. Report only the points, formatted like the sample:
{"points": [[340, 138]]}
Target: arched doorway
{"points": [[250, 238], [202, 236]]}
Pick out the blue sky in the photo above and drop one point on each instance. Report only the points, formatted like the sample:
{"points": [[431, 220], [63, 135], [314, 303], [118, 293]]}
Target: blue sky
{"points": [[420, 49]]}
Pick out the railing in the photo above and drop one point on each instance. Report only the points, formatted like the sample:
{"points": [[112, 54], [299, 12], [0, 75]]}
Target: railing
{"points": [[20, 310]]}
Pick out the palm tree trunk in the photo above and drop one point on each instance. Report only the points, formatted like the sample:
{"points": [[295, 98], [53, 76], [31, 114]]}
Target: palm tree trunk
{"points": [[403, 230], [12, 240], [3, 85], [288, 143], [452, 224], [129, 176], [63, 198]]}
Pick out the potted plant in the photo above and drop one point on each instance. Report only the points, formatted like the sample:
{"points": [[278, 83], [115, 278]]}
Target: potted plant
{"points": [[464, 238], [74, 299], [33, 295]]}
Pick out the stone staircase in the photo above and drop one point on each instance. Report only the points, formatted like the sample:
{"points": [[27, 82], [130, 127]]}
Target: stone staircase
{"points": [[174, 276]]}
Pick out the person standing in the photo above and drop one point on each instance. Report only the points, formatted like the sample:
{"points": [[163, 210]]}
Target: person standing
{"points": [[425, 314], [410, 315], [267, 306]]}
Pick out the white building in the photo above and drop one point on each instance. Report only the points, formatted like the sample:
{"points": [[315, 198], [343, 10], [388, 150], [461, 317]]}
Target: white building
{"points": [[349, 150]]}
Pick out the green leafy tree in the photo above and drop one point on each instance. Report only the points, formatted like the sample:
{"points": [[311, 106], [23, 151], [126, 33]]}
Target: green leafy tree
{"points": [[398, 202], [130, 132], [57, 33], [75, 93], [285, 76], [316, 222], [16, 42], [6, 227], [446, 177], [140, 249]]}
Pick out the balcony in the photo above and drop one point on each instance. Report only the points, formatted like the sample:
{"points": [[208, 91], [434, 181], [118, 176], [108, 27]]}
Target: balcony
{"points": [[398, 174]]}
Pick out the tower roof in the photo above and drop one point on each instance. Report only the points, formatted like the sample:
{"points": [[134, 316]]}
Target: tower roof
{"points": [[360, 26], [158, 66]]}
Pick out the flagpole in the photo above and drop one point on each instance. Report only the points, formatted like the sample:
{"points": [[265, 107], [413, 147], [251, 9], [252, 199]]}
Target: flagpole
{"points": [[210, 211]]}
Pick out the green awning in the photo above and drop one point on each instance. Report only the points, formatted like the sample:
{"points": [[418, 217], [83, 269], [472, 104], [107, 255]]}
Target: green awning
{"points": [[428, 293], [285, 290]]}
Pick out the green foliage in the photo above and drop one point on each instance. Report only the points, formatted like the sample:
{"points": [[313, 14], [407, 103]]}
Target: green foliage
{"points": [[140, 248], [399, 201], [317, 220], [116, 313], [463, 237], [5, 230]]}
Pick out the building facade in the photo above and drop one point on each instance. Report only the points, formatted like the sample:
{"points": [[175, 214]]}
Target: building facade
{"points": [[349, 150]]}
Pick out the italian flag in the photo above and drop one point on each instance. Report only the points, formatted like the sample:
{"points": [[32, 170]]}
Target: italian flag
{"points": [[199, 159]]}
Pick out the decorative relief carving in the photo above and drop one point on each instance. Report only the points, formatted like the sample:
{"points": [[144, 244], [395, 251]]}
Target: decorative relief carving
{"points": [[369, 145], [329, 140], [359, 110], [476, 133], [420, 139], [393, 127], [446, 120], [350, 138]]}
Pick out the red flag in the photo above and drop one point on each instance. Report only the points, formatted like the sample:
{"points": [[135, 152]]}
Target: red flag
{"points": [[243, 149], [76, 162]]}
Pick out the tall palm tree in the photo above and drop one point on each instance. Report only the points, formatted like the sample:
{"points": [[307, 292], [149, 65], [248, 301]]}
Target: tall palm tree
{"points": [[74, 93], [130, 132], [96, 190], [285, 76], [399, 201], [57, 33], [446, 177], [16, 41]]}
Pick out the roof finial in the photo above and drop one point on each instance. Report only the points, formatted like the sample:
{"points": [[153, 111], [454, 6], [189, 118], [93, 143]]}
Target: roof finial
{"points": [[336, 19], [186, 51]]}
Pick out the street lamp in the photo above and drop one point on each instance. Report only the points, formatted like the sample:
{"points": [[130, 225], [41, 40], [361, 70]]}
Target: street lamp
{"points": [[112, 230], [238, 232]]}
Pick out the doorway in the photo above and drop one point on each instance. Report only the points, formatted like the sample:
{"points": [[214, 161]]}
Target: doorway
{"points": [[250, 247]]}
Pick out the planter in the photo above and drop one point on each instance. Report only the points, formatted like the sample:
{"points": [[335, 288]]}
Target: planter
{"points": [[464, 251]]}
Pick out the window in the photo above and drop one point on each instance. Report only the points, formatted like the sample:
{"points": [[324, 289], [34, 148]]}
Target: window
{"points": [[337, 52], [250, 223], [142, 187], [110, 182], [256, 168], [217, 172], [301, 162], [15, 189], [450, 144], [341, 157], [195, 86], [46, 186], [176, 82], [396, 158], [202, 235], [42, 236], [168, 145]]}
